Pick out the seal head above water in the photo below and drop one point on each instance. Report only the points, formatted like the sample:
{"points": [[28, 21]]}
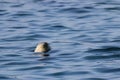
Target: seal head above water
{"points": [[43, 48]]}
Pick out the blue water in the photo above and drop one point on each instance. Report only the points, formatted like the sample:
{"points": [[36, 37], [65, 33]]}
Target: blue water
{"points": [[84, 36]]}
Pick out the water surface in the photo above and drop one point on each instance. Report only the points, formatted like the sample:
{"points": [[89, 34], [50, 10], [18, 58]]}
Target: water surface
{"points": [[84, 36]]}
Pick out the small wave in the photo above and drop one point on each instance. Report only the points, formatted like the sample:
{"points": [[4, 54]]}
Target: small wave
{"points": [[2, 77], [105, 49], [4, 2], [59, 27], [75, 10], [112, 8], [9, 47], [115, 40], [19, 27], [12, 55], [3, 13], [102, 57], [17, 5], [2, 10], [26, 37], [93, 79], [16, 63], [57, 73], [31, 68], [22, 14], [107, 70], [60, 73]]}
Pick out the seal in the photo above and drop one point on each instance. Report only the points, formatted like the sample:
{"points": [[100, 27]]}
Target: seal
{"points": [[43, 48]]}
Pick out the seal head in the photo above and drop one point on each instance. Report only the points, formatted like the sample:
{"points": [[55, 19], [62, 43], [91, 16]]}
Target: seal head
{"points": [[43, 48]]}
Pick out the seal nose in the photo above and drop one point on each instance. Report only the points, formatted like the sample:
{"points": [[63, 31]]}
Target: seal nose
{"points": [[42, 47]]}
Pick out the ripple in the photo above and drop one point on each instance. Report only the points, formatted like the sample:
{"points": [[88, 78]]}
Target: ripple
{"points": [[59, 27], [5, 60], [9, 47], [36, 1], [19, 27], [102, 57], [88, 7], [112, 8], [16, 63], [22, 14], [108, 70], [56, 27], [94, 79], [86, 16], [105, 49], [74, 10], [17, 5], [31, 68], [57, 73], [2, 10], [12, 55], [2, 77], [3, 13], [5, 2], [25, 37], [60, 73], [116, 40]]}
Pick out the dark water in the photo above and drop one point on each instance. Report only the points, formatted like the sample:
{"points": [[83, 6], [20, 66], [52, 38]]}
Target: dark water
{"points": [[84, 36]]}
